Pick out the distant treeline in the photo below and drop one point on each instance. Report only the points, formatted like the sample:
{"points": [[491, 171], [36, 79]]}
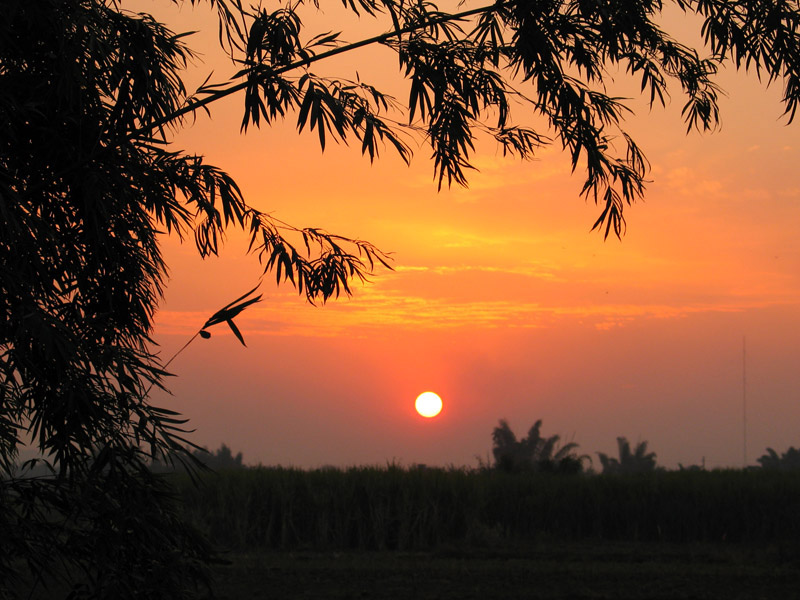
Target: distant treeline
{"points": [[530, 454], [422, 508], [537, 453], [221, 459]]}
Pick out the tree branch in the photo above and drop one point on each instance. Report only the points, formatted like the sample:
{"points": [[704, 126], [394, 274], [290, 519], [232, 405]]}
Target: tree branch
{"points": [[191, 108]]}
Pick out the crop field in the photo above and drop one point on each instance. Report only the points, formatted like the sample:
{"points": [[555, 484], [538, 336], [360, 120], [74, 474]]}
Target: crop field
{"points": [[393, 532], [417, 509]]}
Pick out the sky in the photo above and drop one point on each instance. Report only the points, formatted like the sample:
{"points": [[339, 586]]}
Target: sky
{"points": [[686, 333]]}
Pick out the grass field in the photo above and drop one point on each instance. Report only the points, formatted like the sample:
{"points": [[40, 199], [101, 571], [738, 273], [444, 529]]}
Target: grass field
{"points": [[454, 534], [395, 533], [393, 508]]}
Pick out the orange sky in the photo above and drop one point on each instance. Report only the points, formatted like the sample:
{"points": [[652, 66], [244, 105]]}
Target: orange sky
{"points": [[501, 300]]}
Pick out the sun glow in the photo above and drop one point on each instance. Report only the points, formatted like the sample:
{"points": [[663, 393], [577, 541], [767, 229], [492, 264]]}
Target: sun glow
{"points": [[428, 404]]}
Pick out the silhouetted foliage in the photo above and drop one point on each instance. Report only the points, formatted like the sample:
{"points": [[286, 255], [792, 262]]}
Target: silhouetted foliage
{"points": [[412, 509], [788, 461], [637, 461], [476, 71], [700, 467], [220, 459], [87, 182], [533, 452], [90, 98], [117, 533]]}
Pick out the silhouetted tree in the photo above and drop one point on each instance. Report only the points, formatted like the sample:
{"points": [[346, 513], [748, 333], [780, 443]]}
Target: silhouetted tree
{"points": [[90, 98], [788, 461], [87, 184], [533, 452], [220, 459], [637, 461]]}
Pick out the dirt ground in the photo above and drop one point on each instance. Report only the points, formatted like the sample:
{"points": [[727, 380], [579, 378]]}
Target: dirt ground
{"points": [[577, 571]]}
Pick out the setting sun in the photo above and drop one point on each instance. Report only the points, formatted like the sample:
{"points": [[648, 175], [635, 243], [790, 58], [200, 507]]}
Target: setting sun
{"points": [[428, 404]]}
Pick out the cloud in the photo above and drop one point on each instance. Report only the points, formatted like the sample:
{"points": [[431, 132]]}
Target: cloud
{"points": [[528, 271], [377, 311]]}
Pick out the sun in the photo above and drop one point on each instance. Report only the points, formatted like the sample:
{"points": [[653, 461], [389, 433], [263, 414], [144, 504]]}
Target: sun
{"points": [[428, 404]]}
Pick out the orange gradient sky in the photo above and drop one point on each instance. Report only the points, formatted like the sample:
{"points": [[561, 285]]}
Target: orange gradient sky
{"points": [[501, 300]]}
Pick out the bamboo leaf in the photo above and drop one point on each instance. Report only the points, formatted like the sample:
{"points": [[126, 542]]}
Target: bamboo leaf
{"points": [[235, 330]]}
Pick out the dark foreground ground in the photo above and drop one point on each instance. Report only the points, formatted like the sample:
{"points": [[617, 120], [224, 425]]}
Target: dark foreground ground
{"points": [[561, 571]]}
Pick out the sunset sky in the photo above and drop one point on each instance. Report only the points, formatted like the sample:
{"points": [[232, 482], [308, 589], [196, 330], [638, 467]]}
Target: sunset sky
{"points": [[501, 299]]}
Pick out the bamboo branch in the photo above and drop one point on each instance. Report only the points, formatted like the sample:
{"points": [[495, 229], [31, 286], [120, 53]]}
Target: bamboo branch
{"points": [[191, 108]]}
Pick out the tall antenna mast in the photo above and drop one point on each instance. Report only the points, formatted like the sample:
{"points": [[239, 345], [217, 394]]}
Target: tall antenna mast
{"points": [[744, 402]]}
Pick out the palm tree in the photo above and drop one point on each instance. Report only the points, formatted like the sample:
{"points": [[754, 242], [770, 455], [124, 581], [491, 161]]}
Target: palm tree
{"points": [[637, 461], [533, 452], [789, 460]]}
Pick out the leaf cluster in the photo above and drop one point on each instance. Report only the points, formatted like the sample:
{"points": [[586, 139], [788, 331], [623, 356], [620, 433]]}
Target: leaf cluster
{"points": [[116, 531], [533, 452], [526, 73], [89, 97], [638, 460], [786, 461]]}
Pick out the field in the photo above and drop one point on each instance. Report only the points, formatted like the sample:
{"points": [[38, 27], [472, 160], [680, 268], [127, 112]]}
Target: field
{"points": [[447, 533], [547, 571]]}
